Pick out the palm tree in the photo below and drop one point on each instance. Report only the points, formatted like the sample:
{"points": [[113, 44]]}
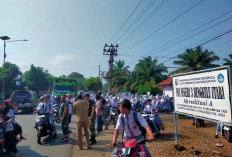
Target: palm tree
{"points": [[120, 66], [228, 61], [148, 70], [193, 60], [121, 74]]}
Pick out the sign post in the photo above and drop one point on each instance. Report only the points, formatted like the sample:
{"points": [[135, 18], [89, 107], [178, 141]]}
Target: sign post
{"points": [[204, 94]]}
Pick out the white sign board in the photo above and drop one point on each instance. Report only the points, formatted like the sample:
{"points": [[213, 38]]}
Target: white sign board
{"points": [[18, 83], [203, 94]]}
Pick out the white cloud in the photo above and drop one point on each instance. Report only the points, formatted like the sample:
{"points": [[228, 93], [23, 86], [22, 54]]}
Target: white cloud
{"points": [[62, 60]]}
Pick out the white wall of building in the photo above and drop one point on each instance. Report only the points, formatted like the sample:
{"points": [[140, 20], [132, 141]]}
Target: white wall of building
{"points": [[168, 90]]}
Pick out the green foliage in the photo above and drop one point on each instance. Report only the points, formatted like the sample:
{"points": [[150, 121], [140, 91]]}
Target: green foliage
{"points": [[37, 79], [12, 72], [193, 60], [228, 61], [63, 76], [80, 80], [105, 87], [92, 84], [149, 87], [147, 70]]}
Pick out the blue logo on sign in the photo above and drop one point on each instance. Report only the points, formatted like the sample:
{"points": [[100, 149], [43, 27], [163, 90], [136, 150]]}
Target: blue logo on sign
{"points": [[220, 78]]}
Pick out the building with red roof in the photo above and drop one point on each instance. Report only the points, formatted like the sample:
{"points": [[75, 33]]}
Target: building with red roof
{"points": [[166, 85]]}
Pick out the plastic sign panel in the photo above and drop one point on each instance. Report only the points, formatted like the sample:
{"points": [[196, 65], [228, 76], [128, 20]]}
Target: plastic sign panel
{"points": [[203, 95], [18, 83]]}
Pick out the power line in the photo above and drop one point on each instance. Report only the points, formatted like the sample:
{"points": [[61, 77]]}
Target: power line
{"points": [[192, 31], [149, 4], [221, 43], [164, 26], [192, 35], [156, 52], [128, 18], [153, 13], [182, 49], [201, 44]]}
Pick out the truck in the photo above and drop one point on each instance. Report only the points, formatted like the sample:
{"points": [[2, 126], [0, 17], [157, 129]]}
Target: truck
{"points": [[64, 86]]}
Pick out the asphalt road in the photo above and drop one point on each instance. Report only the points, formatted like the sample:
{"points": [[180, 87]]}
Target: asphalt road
{"points": [[51, 147]]}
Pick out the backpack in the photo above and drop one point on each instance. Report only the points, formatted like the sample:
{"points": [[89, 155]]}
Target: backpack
{"points": [[141, 128]]}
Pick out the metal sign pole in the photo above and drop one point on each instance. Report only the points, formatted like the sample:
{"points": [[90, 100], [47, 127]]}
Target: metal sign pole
{"points": [[175, 120]]}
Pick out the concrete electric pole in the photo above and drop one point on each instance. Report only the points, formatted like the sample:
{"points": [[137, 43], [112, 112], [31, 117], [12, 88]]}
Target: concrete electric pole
{"points": [[111, 51]]}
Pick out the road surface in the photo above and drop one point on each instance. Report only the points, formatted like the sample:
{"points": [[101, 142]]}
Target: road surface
{"points": [[51, 147]]}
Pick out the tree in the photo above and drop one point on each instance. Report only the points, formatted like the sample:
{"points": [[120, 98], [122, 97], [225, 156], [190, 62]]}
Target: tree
{"points": [[63, 76], [228, 61], [80, 79], [12, 73], [147, 70], [120, 75], [36, 79], [193, 60], [92, 84]]}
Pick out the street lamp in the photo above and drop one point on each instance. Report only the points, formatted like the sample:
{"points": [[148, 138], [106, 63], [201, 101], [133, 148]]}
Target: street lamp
{"points": [[4, 38]]}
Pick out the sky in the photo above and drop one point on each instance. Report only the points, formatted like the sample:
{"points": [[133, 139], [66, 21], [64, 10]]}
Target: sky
{"points": [[69, 36]]}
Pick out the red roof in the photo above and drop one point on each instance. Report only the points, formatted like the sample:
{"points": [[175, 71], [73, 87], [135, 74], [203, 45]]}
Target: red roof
{"points": [[166, 82]]}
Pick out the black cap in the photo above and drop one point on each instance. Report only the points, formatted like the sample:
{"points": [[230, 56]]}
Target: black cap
{"points": [[79, 97], [86, 95]]}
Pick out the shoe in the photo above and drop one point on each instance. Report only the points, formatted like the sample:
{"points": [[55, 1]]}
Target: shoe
{"points": [[157, 135], [216, 136], [69, 131], [93, 141], [193, 124], [55, 135], [106, 128]]}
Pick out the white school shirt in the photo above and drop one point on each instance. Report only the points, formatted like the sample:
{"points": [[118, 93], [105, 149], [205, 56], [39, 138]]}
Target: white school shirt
{"points": [[134, 128], [149, 108], [70, 106], [43, 107]]}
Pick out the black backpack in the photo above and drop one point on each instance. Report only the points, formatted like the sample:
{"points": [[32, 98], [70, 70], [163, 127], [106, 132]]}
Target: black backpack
{"points": [[141, 128]]}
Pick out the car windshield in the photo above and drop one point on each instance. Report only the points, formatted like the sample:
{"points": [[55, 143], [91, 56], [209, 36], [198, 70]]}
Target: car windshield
{"points": [[21, 94], [63, 88]]}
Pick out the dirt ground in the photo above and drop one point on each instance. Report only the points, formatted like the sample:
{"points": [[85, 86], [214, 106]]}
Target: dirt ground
{"points": [[193, 139]]}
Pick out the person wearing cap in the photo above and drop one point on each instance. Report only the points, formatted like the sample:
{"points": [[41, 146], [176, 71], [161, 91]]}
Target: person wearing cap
{"points": [[80, 108], [46, 108], [92, 118]]}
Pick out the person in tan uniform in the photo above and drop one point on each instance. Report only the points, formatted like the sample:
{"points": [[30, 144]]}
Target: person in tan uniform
{"points": [[80, 108]]}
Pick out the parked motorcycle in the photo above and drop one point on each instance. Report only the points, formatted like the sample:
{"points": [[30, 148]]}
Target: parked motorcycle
{"points": [[131, 148], [150, 118], [2, 139], [43, 127], [56, 109], [226, 131]]}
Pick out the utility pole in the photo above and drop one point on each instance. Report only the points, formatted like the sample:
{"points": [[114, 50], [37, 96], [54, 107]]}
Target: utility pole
{"points": [[111, 51], [99, 73]]}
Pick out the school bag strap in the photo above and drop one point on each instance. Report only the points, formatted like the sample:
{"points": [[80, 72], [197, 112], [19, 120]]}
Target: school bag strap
{"points": [[141, 128]]}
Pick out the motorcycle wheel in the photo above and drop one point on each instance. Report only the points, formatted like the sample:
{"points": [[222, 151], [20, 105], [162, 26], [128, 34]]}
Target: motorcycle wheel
{"points": [[228, 136], [114, 122], [39, 138]]}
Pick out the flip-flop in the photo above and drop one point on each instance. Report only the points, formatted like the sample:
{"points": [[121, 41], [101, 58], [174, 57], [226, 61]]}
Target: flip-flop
{"points": [[23, 138], [64, 141]]}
